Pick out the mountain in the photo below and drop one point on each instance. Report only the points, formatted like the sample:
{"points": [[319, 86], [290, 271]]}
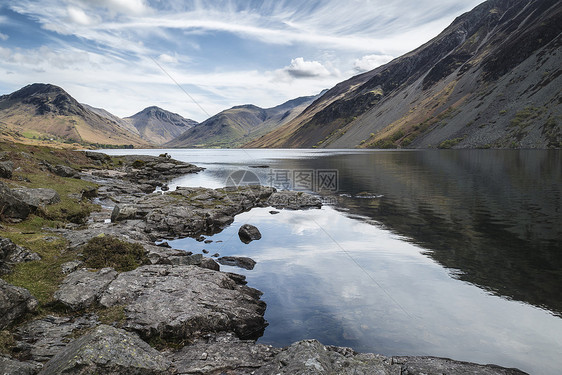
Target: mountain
{"points": [[159, 126], [490, 79], [125, 124], [238, 125], [46, 113]]}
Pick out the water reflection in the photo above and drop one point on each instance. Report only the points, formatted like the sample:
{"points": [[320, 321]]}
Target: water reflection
{"points": [[375, 273]]}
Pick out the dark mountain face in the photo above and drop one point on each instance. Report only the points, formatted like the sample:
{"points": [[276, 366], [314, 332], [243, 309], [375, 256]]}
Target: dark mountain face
{"points": [[47, 112], [491, 79], [240, 124], [158, 125]]}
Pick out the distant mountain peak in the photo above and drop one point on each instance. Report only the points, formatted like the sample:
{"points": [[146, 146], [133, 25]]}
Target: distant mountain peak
{"points": [[158, 125]]}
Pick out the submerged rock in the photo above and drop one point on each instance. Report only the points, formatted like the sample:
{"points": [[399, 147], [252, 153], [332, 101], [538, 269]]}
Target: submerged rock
{"points": [[14, 303], [180, 302], [242, 262], [108, 350], [249, 233]]}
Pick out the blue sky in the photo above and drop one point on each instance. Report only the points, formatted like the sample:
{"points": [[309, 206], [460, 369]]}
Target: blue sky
{"points": [[120, 54]]}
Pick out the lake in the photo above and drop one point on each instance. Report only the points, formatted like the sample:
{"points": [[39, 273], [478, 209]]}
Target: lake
{"points": [[450, 253]]}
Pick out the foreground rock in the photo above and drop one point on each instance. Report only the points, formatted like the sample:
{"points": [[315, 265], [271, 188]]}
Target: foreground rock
{"points": [[81, 288], [242, 262], [179, 302], [11, 254], [11, 204], [309, 357], [37, 197], [14, 303], [222, 354], [249, 233], [12, 367], [108, 350]]}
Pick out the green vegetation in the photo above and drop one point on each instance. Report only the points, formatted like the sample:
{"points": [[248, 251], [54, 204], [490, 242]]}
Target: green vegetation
{"points": [[526, 116], [108, 251], [449, 143]]}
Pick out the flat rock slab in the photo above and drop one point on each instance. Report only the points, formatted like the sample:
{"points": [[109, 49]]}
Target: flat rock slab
{"points": [[110, 351], [42, 339], [81, 288], [14, 303], [184, 301], [222, 354], [242, 262], [309, 357], [433, 365]]}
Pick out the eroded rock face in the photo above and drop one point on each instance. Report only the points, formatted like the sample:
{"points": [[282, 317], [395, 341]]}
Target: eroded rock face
{"points": [[222, 354], [14, 303], [108, 350], [82, 288], [185, 301]]}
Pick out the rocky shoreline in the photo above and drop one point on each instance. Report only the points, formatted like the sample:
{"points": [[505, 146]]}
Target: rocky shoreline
{"points": [[173, 312]]}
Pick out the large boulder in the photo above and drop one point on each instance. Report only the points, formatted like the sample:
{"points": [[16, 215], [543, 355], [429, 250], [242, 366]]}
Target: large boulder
{"points": [[64, 171], [11, 204], [6, 169], [180, 302], [248, 233], [37, 197], [82, 288], [14, 303], [11, 254], [110, 351]]}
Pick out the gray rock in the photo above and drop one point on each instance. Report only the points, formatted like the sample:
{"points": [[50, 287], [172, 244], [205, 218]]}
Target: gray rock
{"points": [[248, 233], [37, 197], [294, 200], [184, 301], [309, 357], [109, 351], [432, 365], [82, 288], [64, 171], [9, 366], [11, 204], [123, 212], [14, 303], [242, 262], [11, 254], [71, 266], [222, 354], [6, 169], [42, 339], [97, 156]]}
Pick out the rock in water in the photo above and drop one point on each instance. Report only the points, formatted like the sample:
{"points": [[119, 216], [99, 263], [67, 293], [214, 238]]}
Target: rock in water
{"points": [[248, 233], [108, 350], [242, 262], [14, 302]]}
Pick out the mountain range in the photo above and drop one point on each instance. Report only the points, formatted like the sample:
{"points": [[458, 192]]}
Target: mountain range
{"points": [[491, 79]]}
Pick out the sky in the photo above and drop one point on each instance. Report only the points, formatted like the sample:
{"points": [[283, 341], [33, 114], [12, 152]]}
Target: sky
{"points": [[197, 58]]}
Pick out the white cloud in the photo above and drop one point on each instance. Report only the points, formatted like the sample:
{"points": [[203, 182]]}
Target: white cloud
{"points": [[300, 68], [78, 16], [167, 59], [3, 37], [370, 62]]}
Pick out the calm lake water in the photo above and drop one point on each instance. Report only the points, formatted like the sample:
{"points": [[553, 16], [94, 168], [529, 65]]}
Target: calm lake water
{"points": [[447, 253]]}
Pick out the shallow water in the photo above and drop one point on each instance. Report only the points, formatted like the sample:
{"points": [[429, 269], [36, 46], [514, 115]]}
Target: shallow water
{"points": [[444, 253]]}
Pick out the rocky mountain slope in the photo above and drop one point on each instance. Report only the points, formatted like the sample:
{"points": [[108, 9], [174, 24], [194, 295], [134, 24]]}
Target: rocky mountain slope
{"points": [[238, 125], [491, 79], [159, 126], [44, 112]]}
